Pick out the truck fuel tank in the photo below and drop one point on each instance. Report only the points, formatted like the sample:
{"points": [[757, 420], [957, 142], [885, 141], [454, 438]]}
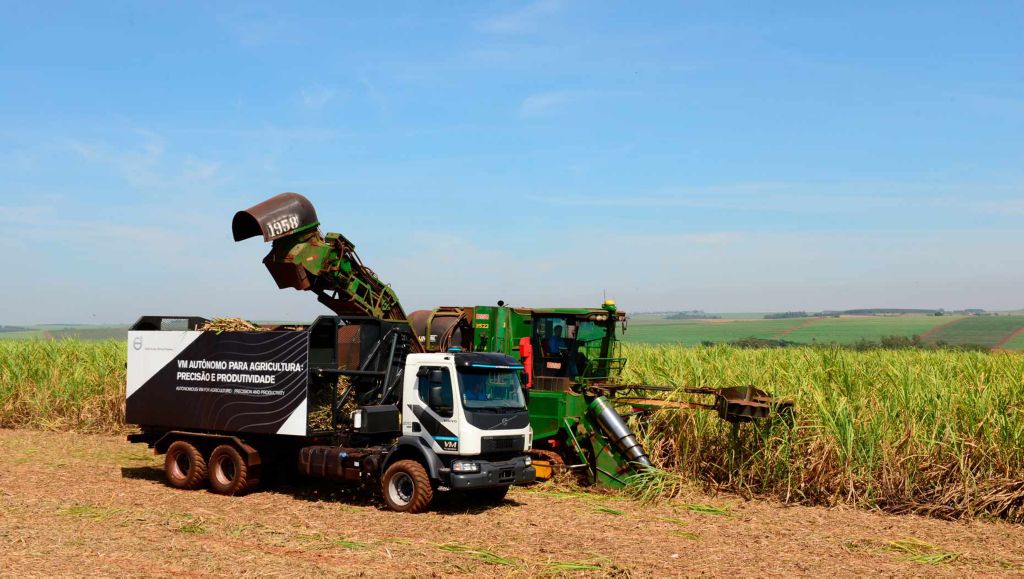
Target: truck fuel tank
{"points": [[382, 419], [339, 463]]}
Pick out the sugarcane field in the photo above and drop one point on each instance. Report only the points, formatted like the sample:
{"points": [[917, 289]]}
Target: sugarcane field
{"points": [[511, 289]]}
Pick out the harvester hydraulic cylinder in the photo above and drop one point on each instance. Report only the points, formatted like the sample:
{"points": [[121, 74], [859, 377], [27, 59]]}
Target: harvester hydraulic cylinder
{"points": [[615, 428]]}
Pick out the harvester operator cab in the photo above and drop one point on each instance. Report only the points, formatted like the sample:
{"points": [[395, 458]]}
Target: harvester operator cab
{"points": [[573, 349], [559, 362]]}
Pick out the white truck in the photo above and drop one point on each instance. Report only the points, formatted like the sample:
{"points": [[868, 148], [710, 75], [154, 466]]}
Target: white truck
{"points": [[341, 398]]}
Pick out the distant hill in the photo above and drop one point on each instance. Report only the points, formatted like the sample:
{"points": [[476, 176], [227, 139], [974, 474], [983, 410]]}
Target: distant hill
{"points": [[61, 331], [692, 315], [883, 312], [876, 312]]}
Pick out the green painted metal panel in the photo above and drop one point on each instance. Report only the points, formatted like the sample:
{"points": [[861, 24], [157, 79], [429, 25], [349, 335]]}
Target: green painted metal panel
{"points": [[549, 410]]}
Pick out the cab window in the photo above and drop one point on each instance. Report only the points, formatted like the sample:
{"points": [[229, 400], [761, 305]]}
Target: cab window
{"points": [[439, 379]]}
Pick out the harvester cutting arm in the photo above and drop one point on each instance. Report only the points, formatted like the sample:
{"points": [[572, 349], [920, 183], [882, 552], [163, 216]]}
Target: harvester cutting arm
{"points": [[734, 404], [304, 259]]}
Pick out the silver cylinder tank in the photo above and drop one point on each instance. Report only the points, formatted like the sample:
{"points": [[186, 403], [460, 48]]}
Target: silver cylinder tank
{"points": [[615, 428]]}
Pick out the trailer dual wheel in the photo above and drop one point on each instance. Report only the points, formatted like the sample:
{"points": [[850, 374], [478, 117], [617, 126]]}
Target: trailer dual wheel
{"points": [[229, 474], [184, 466], [406, 487]]}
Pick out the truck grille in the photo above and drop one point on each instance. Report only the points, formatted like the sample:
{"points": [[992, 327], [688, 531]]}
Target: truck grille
{"points": [[502, 443]]}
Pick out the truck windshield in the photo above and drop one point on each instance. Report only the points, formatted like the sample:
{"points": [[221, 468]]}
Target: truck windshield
{"points": [[495, 389]]}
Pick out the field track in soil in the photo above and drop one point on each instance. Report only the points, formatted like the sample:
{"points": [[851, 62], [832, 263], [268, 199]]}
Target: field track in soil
{"points": [[93, 504]]}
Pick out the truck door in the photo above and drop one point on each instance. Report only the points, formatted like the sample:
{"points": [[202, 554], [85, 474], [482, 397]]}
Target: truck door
{"points": [[434, 416]]}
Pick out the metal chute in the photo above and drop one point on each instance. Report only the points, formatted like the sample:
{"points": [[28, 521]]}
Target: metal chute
{"points": [[304, 259], [277, 217]]}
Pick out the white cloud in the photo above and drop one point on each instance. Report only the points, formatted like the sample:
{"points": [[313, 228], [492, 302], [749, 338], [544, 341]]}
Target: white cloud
{"points": [[148, 166], [317, 97], [199, 170], [543, 103], [525, 19]]}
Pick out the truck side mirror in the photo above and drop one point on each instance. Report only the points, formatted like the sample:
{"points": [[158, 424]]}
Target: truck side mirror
{"points": [[435, 398], [436, 377]]}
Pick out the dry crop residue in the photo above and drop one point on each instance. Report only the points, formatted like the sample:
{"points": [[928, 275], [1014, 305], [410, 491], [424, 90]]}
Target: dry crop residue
{"points": [[74, 504]]}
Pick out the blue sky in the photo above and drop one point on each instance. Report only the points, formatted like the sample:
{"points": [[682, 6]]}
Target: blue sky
{"points": [[678, 155]]}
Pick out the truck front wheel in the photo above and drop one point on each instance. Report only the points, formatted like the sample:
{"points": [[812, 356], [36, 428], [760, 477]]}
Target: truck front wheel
{"points": [[406, 487], [229, 475], [184, 466]]}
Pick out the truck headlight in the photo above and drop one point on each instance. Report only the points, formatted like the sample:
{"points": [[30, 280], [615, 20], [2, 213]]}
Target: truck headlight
{"points": [[464, 466], [529, 461]]}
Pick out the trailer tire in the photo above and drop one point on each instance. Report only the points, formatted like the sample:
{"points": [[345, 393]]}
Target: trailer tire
{"points": [[229, 474], [406, 487], [184, 466]]}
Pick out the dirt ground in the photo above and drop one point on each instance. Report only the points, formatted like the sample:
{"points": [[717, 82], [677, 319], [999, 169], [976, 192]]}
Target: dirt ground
{"points": [[96, 505]]}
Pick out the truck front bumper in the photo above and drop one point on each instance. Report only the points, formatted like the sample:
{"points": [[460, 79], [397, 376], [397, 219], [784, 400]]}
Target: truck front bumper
{"points": [[493, 474]]}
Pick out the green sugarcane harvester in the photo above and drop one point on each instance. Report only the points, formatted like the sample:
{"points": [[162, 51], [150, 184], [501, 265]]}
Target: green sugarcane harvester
{"points": [[572, 356], [573, 361]]}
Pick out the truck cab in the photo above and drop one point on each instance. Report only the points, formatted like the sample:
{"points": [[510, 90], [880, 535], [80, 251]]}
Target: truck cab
{"points": [[469, 409]]}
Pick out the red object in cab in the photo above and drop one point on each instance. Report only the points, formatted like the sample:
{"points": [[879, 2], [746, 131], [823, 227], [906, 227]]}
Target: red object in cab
{"points": [[526, 355]]}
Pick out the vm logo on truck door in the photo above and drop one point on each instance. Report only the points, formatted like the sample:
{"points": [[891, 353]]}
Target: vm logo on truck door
{"points": [[448, 442]]}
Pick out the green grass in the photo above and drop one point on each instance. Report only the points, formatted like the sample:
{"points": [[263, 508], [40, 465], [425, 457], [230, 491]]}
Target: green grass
{"points": [[921, 552], [485, 555], [693, 332], [706, 509], [686, 535], [984, 330], [354, 545], [1016, 343], [194, 527], [847, 330], [93, 512]]}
